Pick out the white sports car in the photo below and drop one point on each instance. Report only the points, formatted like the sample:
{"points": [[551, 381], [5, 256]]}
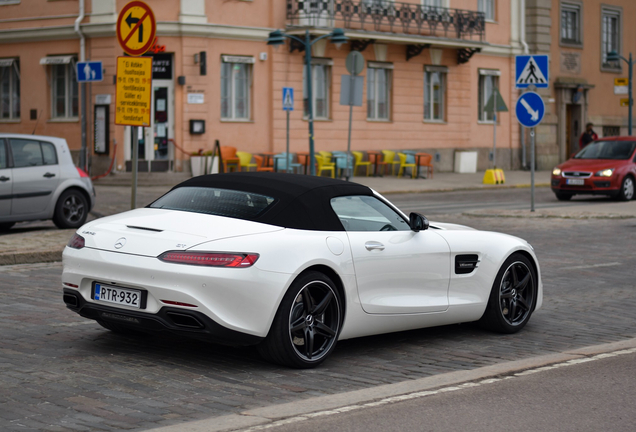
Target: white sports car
{"points": [[292, 264]]}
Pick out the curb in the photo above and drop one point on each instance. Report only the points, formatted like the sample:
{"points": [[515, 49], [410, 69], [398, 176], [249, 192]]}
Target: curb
{"points": [[30, 257], [268, 415], [466, 188]]}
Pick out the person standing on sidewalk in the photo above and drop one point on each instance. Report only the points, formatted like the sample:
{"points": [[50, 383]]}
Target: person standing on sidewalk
{"points": [[588, 136]]}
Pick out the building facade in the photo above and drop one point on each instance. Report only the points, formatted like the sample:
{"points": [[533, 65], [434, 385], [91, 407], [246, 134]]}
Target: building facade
{"points": [[430, 68]]}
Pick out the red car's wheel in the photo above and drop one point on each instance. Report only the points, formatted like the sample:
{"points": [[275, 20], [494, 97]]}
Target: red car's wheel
{"points": [[627, 189]]}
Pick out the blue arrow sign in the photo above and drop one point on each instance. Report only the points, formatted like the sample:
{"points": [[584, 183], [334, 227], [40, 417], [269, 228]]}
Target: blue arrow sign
{"points": [[288, 99], [91, 71], [530, 109], [532, 70]]}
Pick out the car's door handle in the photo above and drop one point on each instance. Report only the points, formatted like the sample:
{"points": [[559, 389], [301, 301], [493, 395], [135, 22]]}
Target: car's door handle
{"points": [[374, 245], [4, 179], [48, 175]]}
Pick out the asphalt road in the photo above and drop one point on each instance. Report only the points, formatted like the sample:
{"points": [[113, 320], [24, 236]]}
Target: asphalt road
{"points": [[61, 372]]}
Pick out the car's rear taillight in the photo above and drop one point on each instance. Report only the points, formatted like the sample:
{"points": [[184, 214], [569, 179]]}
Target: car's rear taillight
{"points": [[81, 172], [210, 259], [76, 242]]}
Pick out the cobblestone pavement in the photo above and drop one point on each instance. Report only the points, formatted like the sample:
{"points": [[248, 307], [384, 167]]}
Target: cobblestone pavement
{"points": [[61, 372]]}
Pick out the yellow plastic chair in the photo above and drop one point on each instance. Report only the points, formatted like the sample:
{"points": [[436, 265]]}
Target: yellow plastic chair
{"points": [[245, 161], [327, 155], [389, 160], [360, 163], [325, 165], [404, 164]]}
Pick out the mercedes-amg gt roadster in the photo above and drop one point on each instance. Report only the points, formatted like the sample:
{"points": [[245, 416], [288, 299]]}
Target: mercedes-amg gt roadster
{"points": [[292, 264]]}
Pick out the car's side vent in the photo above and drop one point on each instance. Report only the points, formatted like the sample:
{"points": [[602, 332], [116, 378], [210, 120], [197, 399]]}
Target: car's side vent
{"points": [[465, 264]]}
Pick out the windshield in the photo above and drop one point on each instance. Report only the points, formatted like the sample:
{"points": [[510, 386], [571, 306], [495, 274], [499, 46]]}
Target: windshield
{"points": [[220, 202], [607, 150]]}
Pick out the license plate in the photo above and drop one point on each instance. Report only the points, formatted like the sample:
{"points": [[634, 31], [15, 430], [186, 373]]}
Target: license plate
{"points": [[575, 182], [117, 295]]}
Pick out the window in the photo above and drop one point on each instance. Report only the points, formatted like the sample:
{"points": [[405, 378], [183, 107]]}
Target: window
{"points": [[236, 83], [434, 92], [28, 153], [488, 81], [434, 3], [488, 8], [367, 213], [610, 37], [9, 89], [611, 131], [64, 91], [320, 89], [378, 90], [3, 155], [571, 23]]}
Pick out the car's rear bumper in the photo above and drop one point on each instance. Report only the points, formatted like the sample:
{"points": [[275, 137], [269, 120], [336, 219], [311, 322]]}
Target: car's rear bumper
{"points": [[192, 324]]}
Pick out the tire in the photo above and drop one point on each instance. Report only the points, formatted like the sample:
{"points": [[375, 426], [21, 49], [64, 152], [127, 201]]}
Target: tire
{"points": [[513, 296], [307, 324], [71, 210], [627, 189], [562, 196], [6, 226]]}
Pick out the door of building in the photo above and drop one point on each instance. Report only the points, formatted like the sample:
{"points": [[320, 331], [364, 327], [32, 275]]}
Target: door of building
{"points": [[572, 129]]}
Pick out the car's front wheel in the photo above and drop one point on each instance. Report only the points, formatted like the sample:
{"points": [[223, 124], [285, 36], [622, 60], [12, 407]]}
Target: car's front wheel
{"points": [[627, 189], [71, 210], [6, 226], [513, 296], [307, 323]]}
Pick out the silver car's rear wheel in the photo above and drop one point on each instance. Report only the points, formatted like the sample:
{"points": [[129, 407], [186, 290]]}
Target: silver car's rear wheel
{"points": [[71, 210]]}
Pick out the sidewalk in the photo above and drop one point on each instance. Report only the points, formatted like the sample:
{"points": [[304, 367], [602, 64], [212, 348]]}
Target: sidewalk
{"points": [[41, 242]]}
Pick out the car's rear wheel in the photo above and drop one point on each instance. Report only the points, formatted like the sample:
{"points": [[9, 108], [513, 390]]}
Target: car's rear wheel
{"points": [[627, 189], [307, 324], [71, 210], [513, 296], [6, 226], [562, 196]]}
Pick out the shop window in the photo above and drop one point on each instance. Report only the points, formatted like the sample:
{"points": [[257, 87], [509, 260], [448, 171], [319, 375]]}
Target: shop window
{"points": [[236, 85], [488, 8], [434, 92], [321, 88], [64, 91], [488, 81], [379, 91], [571, 23], [610, 37], [9, 89], [609, 131]]}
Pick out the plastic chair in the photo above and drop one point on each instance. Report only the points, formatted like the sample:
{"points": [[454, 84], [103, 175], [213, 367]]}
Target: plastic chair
{"points": [[228, 154], [343, 161], [360, 163], [425, 160], [327, 155], [405, 164], [389, 156], [259, 164], [324, 165], [245, 161], [282, 161]]}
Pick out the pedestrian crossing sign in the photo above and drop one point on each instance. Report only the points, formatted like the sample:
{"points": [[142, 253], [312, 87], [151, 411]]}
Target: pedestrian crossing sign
{"points": [[288, 98], [532, 70]]}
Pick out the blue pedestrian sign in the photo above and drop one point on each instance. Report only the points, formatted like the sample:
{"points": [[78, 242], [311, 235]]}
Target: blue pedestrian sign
{"points": [[90, 71], [530, 109], [288, 99], [532, 70]]}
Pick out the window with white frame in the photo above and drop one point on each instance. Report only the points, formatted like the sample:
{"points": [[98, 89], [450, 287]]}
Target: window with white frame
{"points": [[434, 92], [236, 84], [435, 3], [488, 81], [610, 36], [9, 89], [64, 91], [379, 90], [320, 88], [570, 23], [488, 8]]}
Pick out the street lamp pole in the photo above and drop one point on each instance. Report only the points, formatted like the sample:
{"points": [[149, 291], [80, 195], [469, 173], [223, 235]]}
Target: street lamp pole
{"points": [[614, 56], [338, 37]]}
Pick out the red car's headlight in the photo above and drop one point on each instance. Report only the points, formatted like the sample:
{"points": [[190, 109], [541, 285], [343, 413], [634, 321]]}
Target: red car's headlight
{"points": [[210, 259], [76, 242]]}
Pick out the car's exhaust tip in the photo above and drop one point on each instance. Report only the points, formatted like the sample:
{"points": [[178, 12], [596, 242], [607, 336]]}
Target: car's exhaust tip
{"points": [[184, 320], [71, 300]]}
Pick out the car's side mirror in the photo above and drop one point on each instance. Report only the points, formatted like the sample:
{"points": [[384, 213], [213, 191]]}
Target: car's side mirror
{"points": [[418, 222]]}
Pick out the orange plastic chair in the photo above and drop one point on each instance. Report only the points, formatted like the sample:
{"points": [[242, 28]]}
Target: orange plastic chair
{"points": [[360, 163], [245, 161], [228, 154], [325, 165], [404, 164], [425, 160], [259, 164]]}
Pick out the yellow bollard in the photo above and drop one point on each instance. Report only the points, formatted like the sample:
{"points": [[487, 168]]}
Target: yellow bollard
{"points": [[494, 176]]}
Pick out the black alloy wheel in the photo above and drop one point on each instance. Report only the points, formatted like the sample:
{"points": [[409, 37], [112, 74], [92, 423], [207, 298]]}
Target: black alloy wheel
{"points": [[71, 210], [513, 296], [307, 324]]}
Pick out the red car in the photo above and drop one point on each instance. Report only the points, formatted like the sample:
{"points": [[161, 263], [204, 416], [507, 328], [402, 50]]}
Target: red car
{"points": [[604, 167]]}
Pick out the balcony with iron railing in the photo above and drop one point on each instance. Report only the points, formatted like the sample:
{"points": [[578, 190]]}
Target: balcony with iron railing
{"points": [[388, 16]]}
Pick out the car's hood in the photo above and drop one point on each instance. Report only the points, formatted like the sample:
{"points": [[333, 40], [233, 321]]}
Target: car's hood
{"points": [[150, 232], [449, 226], [590, 165]]}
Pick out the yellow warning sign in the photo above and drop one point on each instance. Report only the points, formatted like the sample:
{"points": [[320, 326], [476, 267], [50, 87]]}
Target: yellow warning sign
{"points": [[136, 28], [134, 87], [621, 81], [625, 102]]}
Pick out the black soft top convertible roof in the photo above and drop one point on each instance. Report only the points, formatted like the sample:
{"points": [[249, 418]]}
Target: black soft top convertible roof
{"points": [[301, 201]]}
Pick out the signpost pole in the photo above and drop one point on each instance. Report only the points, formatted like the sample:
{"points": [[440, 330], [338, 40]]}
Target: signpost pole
{"points": [[135, 161], [631, 101], [287, 150], [532, 169], [351, 89], [494, 137]]}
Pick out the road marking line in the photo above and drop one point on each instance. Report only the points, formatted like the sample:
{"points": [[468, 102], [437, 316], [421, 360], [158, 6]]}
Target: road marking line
{"points": [[612, 264]]}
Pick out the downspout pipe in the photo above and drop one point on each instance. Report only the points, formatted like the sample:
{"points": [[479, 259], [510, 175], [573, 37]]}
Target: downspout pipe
{"points": [[524, 44], [83, 156]]}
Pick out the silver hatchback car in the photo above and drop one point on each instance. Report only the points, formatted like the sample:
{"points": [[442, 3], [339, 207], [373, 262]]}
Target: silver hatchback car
{"points": [[38, 180]]}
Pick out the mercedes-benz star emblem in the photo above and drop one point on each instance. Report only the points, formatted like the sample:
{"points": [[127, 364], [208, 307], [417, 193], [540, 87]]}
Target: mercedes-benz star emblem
{"points": [[120, 243]]}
